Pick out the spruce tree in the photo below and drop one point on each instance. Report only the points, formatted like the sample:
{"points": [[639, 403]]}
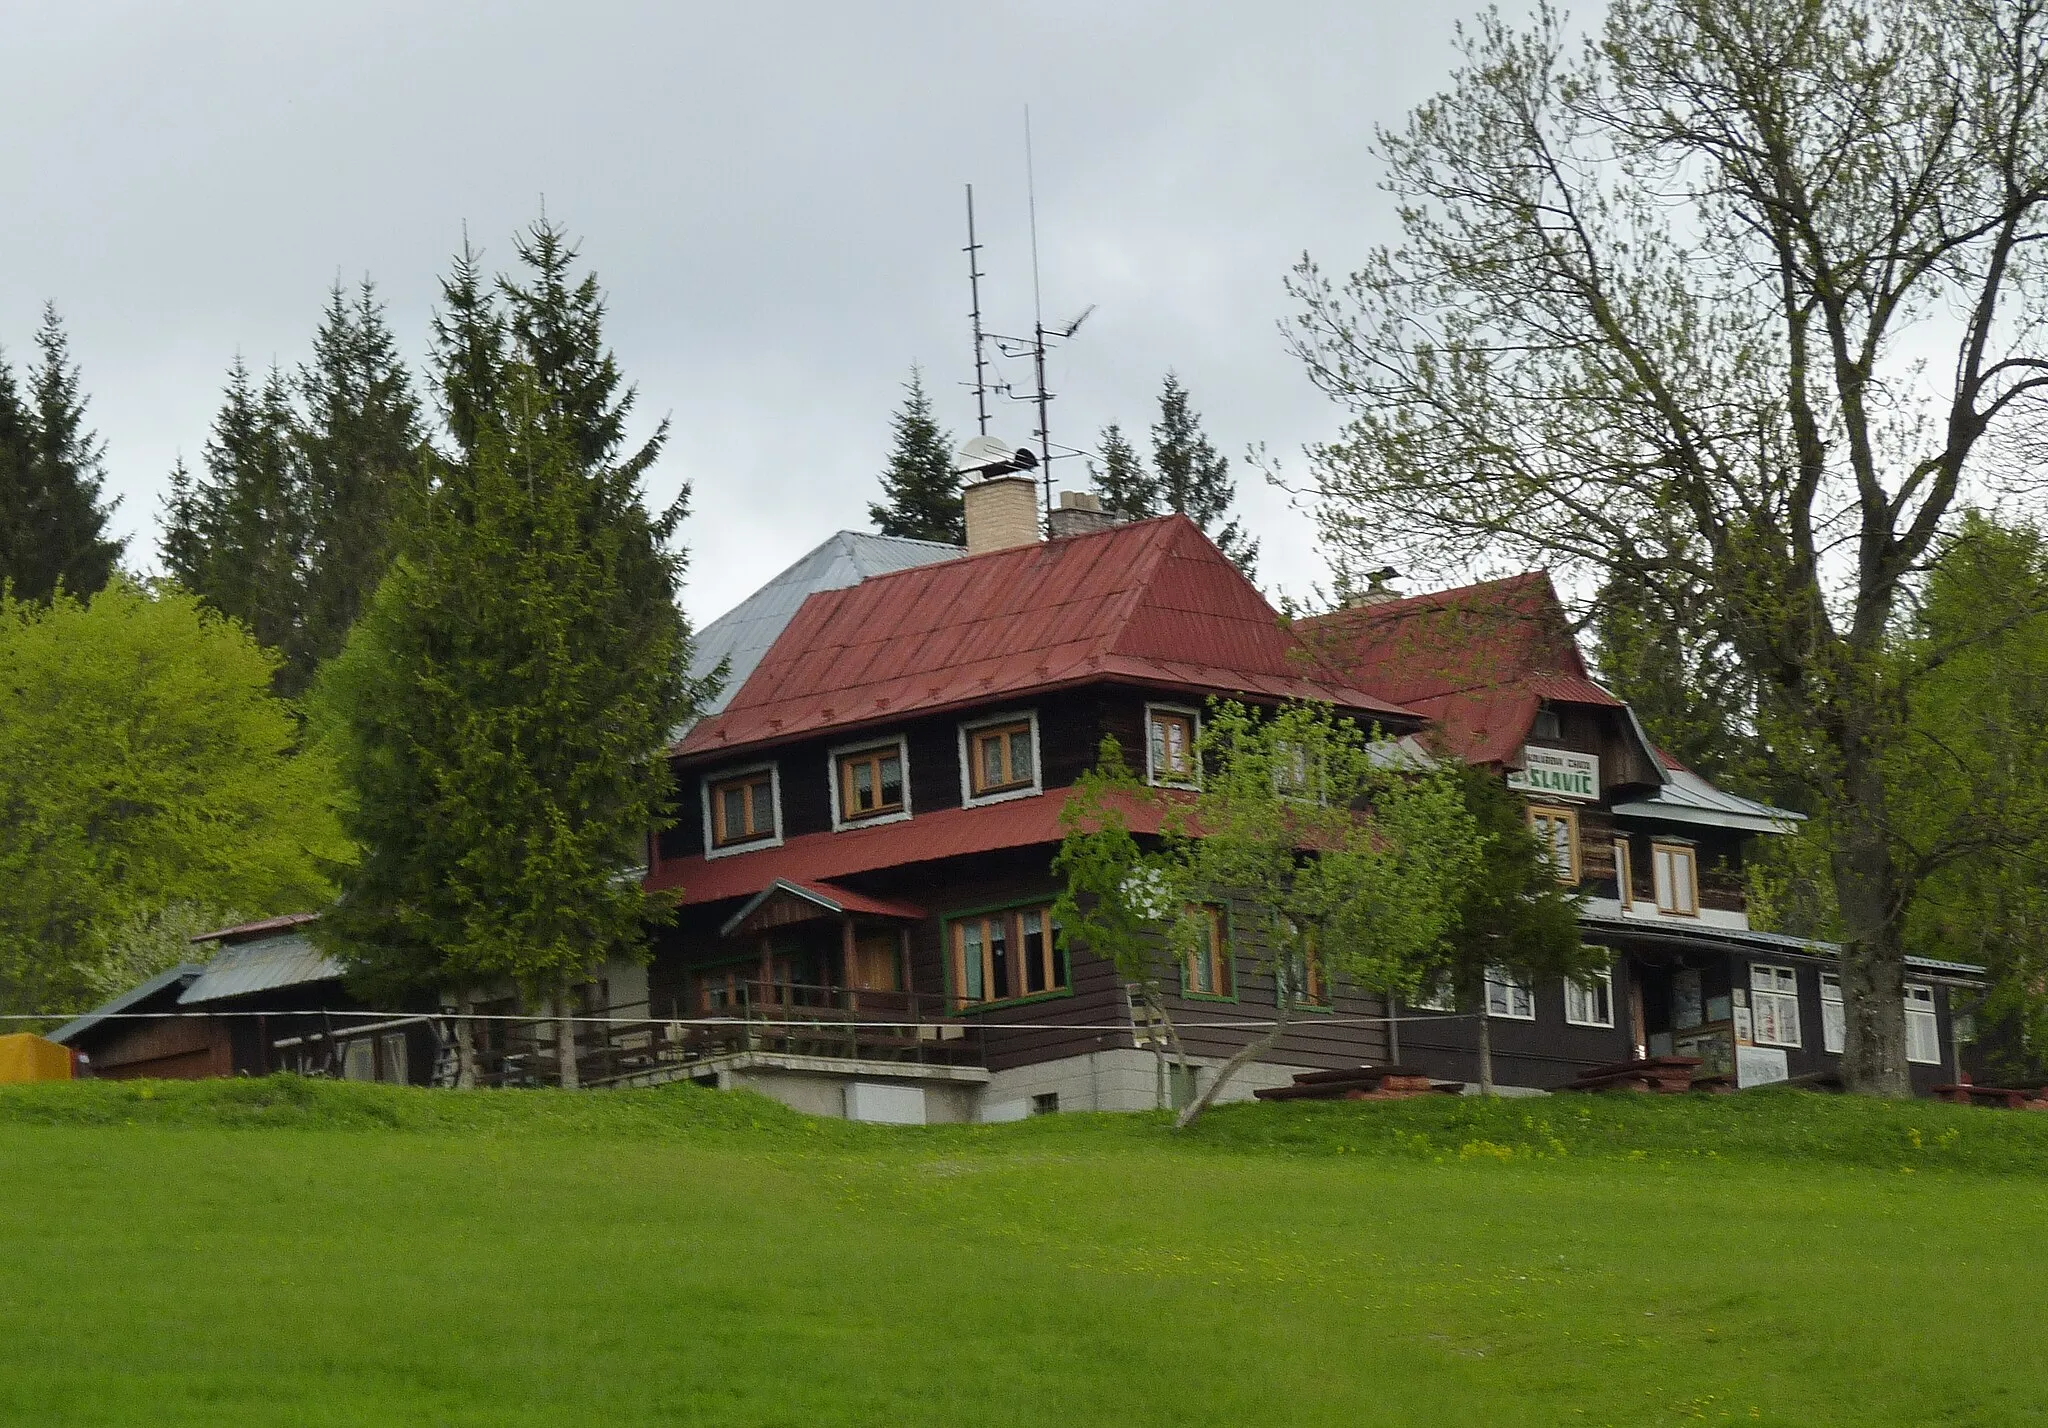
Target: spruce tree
{"points": [[501, 710], [237, 535], [53, 525], [922, 488], [1124, 485], [357, 439], [1193, 478]]}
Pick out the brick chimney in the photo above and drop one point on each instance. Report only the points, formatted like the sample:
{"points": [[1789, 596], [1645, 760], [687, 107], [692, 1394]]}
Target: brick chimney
{"points": [[1002, 511], [1078, 513]]}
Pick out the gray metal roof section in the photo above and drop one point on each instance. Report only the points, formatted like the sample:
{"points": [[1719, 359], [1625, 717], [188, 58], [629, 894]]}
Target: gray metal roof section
{"points": [[744, 633], [1688, 798], [261, 965], [1751, 939], [175, 976]]}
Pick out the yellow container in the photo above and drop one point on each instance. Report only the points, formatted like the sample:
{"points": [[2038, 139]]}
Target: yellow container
{"points": [[30, 1058]]}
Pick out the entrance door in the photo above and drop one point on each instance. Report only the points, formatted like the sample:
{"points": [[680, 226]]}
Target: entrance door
{"points": [[875, 964]]}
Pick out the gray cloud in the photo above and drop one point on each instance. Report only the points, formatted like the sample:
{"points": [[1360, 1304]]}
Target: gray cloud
{"points": [[771, 194]]}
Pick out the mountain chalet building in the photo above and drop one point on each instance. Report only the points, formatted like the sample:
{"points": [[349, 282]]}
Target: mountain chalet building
{"points": [[868, 817], [868, 813]]}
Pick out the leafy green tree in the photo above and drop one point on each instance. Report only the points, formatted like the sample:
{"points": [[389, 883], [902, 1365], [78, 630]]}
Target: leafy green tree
{"points": [[1193, 478], [1124, 484], [499, 713], [144, 764], [921, 489], [1514, 917], [53, 525], [1656, 312], [1347, 861], [357, 436]]}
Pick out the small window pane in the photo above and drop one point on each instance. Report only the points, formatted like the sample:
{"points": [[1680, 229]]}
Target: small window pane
{"points": [[1020, 756], [1002, 977], [892, 780], [971, 985], [1034, 952], [764, 811], [991, 763]]}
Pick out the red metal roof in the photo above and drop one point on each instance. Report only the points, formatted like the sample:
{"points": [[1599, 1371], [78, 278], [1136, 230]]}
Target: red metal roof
{"points": [[257, 929], [1479, 660], [1152, 602], [815, 858]]}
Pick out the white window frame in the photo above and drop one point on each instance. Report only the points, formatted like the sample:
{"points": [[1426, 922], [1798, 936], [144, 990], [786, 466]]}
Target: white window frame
{"points": [[1509, 985], [1661, 881], [1777, 996], [711, 849], [1834, 1026], [968, 797], [1194, 718], [1573, 991], [843, 824], [1436, 997], [1929, 1018]]}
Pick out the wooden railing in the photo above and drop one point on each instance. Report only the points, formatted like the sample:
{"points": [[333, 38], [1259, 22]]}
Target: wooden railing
{"points": [[791, 1019]]}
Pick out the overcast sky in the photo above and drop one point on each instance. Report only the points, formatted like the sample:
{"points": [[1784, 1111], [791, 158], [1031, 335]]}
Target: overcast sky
{"points": [[770, 193]]}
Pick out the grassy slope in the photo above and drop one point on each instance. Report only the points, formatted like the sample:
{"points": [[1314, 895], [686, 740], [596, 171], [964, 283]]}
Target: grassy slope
{"points": [[316, 1254]]}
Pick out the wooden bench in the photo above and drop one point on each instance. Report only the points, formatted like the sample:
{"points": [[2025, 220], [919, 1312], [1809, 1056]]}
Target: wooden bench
{"points": [[1654, 1075], [1360, 1083]]}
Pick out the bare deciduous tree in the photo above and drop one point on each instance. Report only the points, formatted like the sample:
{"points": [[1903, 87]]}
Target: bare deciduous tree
{"points": [[1721, 300]]}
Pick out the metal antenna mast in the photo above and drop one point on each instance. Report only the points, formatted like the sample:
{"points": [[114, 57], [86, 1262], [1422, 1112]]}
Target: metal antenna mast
{"points": [[974, 287], [1038, 319]]}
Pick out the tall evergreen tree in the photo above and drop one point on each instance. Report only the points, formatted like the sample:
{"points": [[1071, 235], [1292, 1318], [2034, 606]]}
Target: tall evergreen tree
{"points": [[358, 438], [1193, 478], [1126, 488], [500, 711], [920, 484], [53, 524], [238, 533]]}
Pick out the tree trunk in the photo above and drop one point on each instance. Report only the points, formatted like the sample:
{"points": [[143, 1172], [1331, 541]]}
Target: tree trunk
{"points": [[1873, 961], [565, 1039], [1485, 1049], [1251, 1051], [465, 1043], [1871, 901]]}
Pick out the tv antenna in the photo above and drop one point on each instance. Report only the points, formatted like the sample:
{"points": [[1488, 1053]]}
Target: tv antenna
{"points": [[1041, 340], [974, 287]]}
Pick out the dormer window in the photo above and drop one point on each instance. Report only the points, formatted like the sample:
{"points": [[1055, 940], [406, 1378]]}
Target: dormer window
{"points": [[869, 782], [1170, 744], [740, 809], [1545, 726], [999, 758]]}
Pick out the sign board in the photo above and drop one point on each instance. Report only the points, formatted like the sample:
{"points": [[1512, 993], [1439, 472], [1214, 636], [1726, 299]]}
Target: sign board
{"points": [[1558, 773], [1760, 1065]]}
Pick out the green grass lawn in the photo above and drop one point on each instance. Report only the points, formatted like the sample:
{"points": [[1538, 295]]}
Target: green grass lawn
{"points": [[302, 1253]]}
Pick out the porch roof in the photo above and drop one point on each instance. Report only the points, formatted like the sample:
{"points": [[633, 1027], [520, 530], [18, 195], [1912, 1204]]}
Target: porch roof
{"points": [[813, 859], [828, 898], [1743, 939]]}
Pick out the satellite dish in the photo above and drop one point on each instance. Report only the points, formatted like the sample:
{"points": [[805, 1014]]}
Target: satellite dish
{"points": [[992, 456]]}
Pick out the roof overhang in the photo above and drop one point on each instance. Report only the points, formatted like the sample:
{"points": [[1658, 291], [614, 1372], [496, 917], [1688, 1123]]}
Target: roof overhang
{"points": [[1666, 812], [1737, 939], [809, 901], [177, 976]]}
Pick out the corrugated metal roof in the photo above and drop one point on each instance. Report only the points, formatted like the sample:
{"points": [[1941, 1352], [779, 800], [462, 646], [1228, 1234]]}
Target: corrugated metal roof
{"points": [[163, 981], [1479, 660], [247, 930], [816, 858], [1753, 940], [1153, 602], [828, 896], [744, 633], [260, 965], [1688, 798]]}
